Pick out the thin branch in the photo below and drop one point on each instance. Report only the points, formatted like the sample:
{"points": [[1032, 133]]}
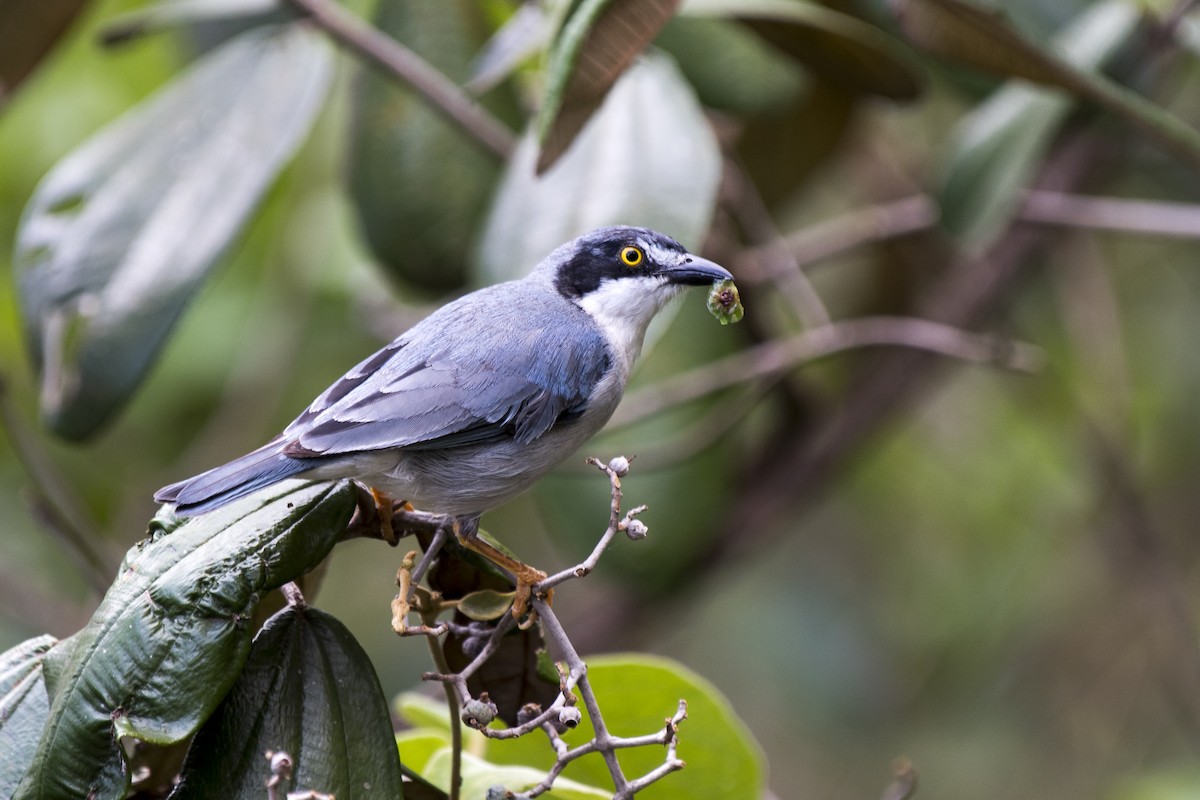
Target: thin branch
{"points": [[775, 357], [443, 94]]}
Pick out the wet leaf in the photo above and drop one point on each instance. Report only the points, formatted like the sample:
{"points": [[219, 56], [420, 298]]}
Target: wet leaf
{"points": [[24, 708], [599, 41], [119, 235], [621, 170], [169, 638], [419, 185], [28, 30], [307, 689]]}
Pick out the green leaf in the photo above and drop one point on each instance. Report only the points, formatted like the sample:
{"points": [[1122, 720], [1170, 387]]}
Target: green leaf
{"points": [[28, 29], [419, 185], [598, 42], [996, 151], [961, 32], [169, 638], [485, 605], [119, 235], [24, 708], [307, 689], [840, 48], [731, 68], [172, 14], [637, 693], [529, 31], [478, 776], [622, 169]]}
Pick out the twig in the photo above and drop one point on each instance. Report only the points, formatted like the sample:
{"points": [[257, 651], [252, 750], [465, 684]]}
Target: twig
{"points": [[442, 93], [774, 357], [477, 712]]}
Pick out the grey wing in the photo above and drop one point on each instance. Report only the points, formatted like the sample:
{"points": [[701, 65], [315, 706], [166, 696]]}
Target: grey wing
{"points": [[439, 390]]}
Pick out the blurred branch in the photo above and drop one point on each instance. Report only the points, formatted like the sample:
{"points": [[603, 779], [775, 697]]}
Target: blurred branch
{"points": [[54, 504], [773, 259], [1156, 218], [774, 357], [394, 58], [856, 228]]}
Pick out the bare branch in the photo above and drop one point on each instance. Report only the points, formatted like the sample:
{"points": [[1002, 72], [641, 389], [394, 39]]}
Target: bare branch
{"points": [[442, 93]]}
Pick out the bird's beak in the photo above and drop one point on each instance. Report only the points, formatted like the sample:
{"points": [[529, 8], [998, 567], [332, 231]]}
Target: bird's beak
{"points": [[696, 271]]}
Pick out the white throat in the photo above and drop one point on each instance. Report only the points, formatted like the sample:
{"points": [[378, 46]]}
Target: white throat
{"points": [[624, 308]]}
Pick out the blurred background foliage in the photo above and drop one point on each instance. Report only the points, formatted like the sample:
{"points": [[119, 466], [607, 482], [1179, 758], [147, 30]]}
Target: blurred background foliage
{"points": [[882, 552]]}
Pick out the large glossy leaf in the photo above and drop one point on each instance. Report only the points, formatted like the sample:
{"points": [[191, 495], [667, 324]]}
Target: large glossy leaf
{"points": [[24, 708], [28, 29], [307, 689], [420, 186], [961, 32], [842, 49], [648, 157], [995, 152], [599, 41], [169, 638], [119, 235]]}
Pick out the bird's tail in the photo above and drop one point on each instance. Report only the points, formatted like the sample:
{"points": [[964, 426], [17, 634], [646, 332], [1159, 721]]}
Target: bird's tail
{"points": [[224, 484]]}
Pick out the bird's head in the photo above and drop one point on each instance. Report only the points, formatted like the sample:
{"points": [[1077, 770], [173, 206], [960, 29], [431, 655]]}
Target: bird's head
{"points": [[625, 275]]}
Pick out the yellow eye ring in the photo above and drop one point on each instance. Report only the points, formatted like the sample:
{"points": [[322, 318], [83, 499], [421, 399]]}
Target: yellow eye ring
{"points": [[631, 256]]}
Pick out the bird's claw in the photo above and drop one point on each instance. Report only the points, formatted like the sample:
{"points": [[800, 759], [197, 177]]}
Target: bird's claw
{"points": [[527, 580]]}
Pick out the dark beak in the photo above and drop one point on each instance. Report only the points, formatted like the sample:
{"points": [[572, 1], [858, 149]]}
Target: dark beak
{"points": [[696, 271]]}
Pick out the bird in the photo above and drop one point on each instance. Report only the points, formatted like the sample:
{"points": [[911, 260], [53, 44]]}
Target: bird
{"points": [[473, 404]]}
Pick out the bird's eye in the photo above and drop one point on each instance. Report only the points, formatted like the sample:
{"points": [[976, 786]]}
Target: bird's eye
{"points": [[631, 256]]}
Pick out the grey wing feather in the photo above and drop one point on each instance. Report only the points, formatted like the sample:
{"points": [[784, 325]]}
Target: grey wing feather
{"points": [[472, 372]]}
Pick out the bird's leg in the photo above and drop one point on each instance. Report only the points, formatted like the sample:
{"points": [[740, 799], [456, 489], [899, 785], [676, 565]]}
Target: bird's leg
{"points": [[466, 530]]}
